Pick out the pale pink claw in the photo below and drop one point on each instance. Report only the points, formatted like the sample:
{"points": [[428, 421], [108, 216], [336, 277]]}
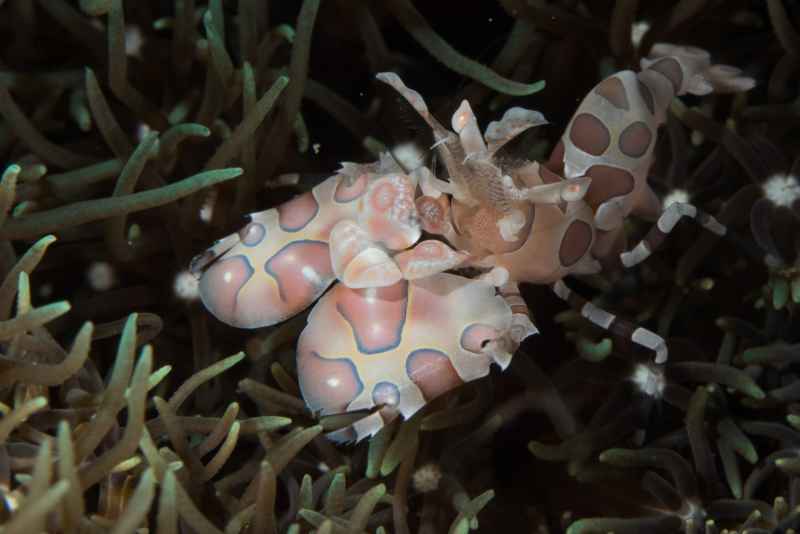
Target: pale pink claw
{"points": [[371, 268], [357, 261], [427, 258], [388, 214]]}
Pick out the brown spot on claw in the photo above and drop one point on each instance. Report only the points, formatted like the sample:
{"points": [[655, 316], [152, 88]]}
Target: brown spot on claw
{"points": [[635, 139], [613, 90], [432, 372], [575, 243], [295, 215], [590, 134], [671, 70]]}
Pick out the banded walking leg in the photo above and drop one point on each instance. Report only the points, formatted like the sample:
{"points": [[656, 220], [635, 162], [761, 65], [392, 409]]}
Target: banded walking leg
{"points": [[608, 321], [666, 223], [502, 348], [521, 322]]}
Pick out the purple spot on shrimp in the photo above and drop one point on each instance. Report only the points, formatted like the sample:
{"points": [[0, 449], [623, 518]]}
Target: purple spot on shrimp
{"points": [[220, 286], [376, 315], [302, 269], [328, 385], [635, 139], [613, 90], [432, 371], [671, 70], [295, 214], [386, 393], [348, 192], [252, 234]]}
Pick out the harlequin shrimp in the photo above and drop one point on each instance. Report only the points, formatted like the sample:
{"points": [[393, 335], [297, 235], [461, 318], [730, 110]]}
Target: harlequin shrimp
{"points": [[522, 224], [398, 331], [389, 334]]}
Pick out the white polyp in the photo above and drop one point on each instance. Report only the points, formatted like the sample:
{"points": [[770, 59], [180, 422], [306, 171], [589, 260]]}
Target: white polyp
{"points": [[649, 380], [186, 286], [206, 212], [133, 41], [782, 189], [638, 29], [101, 276], [426, 478]]}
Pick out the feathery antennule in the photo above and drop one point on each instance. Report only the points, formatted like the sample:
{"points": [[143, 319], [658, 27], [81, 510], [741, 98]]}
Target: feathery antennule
{"points": [[475, 176], [515, 121]]}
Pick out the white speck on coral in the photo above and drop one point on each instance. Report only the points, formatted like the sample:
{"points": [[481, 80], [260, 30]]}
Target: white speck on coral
{"points": [[45, 290], [427, 478], [133, 41], [782, 189], [649, 380], [315, 147], [676, 195], [638, 29], [206, 213], [207, 209], [101, 276], [408, 155], [142, 130], [186, 286]]}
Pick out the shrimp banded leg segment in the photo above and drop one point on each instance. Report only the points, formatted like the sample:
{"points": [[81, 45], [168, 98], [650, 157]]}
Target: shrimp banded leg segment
{"points": [[666, 223], [612, 323], [502, 348], [521, 324]]}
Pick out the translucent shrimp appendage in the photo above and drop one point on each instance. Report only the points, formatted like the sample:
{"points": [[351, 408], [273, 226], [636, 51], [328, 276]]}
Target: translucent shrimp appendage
{"points": [[515, 121]]}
